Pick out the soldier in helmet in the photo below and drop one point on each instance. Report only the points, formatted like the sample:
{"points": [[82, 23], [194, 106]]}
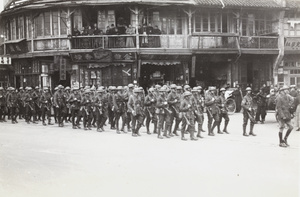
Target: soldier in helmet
{"points": [[135, 105], [119, 108], [213, 111], [178, 117], [45, 101], [75, 100], [2, 104], [224, 111], [100, 107], [173, 101], [12, 104], [110, 95], [36, 99], [198, 109], [150, 103], [127, 94], [21, 103], [87, 104], [163, 113], [188, 114], [248, 113], [60, 104], [29, 106], [283, 104], [67, 116]]}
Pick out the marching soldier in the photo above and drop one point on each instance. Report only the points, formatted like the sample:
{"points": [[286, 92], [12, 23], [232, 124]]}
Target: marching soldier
{"points": [[150, 103], [111, 118], [87, 109], [60, 104], [198, 109], [21, 103], [100, 107], [173, 101], [188, 115], [224, 111], [67, 115], [12, 104], [178, 117], [213, 112], [127, 94], [247, 105], [45, 101], [162, 112], [283, 104], [135, 106], [36, 100], [54, 107], [119, 108], [74, 100], [94, 117], [29, 106]]}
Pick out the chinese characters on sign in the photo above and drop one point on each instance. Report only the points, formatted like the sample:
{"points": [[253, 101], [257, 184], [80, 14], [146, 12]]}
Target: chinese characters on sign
{"points": [[292, 44], [63, 69], [5, 60]]}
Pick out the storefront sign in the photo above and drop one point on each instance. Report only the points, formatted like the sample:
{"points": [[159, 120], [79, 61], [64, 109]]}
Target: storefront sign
{"points": [[292, 44], [99, 55], [63, 69], [5, 60], [124, 56], [17, 47]]}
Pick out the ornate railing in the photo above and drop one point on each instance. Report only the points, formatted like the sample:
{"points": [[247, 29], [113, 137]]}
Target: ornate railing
{"points": [[259, 42]]}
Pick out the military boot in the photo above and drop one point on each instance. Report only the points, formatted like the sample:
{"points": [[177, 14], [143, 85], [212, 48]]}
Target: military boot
{"points": [[244, 131], [192, 134], [170, 131], [166, 131], [251, 130], [44, 123], [182, 136], [225, 127], [199, 131], [286, 136], [281, 142]]}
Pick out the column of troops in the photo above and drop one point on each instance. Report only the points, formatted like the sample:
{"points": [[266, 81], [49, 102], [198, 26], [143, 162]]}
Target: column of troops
{"points": [[169, 108]]}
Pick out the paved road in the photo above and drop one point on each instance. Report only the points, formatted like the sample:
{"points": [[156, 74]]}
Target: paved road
{"points": [[38, 161]]}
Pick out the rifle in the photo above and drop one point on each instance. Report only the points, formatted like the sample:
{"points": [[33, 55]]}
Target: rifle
{"points": [[252, 119], [186, 119], [86, 111], [150, 114]]}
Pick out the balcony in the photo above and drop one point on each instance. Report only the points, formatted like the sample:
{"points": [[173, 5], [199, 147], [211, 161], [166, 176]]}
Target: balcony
{"points": [[258, 42], [200, 43]]}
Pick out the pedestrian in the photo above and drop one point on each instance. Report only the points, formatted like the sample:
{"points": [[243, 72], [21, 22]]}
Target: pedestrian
{"points": [[248, 113], [283, 104]]}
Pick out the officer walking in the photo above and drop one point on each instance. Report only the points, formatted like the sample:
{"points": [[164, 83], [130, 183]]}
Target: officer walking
{"points": [[247, 105], [283, 104]]}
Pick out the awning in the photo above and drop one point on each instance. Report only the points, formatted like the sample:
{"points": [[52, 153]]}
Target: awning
{"points": [[161, 62]]}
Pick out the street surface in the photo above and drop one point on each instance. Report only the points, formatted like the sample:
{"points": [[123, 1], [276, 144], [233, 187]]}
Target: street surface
{"points": [[39, 161]]}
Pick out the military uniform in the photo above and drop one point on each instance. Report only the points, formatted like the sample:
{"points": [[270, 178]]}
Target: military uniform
{"points": [[188, 114], [87, 111], [12, 104], [2, 104], [21, 103], [283, 104], [248, 113], [261, 106], [135, 106], [197, 105], [29, 106], [224, 112], [150, 103], [127, 94], [213, 111], [45, 101], [74, 101], [110, 107], [173, 101], [163, 112], [59, 99], [119, 108]]}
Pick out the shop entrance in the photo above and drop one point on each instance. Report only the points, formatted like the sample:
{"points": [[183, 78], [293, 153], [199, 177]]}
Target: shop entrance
{"points": [[212, 74], [152, 74]]}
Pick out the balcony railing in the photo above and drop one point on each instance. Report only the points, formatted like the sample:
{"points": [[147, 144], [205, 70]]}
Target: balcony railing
{"points": [[195, 42], [213, 42], [259, 42]]}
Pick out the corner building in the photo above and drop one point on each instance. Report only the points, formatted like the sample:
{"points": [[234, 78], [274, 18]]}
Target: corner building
{"points": [[199, 42]]}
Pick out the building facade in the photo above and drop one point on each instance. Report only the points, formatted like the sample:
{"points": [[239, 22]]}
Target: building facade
{"points": [[196, 42]]}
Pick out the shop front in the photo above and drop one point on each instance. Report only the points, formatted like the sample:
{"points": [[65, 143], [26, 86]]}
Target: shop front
{"points": [[103, 68], [163, 69]]}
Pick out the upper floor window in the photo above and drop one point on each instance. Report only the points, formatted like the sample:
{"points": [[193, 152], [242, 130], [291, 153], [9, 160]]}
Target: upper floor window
{"points": [[204, 21], [52, 23], [254, 24]]}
